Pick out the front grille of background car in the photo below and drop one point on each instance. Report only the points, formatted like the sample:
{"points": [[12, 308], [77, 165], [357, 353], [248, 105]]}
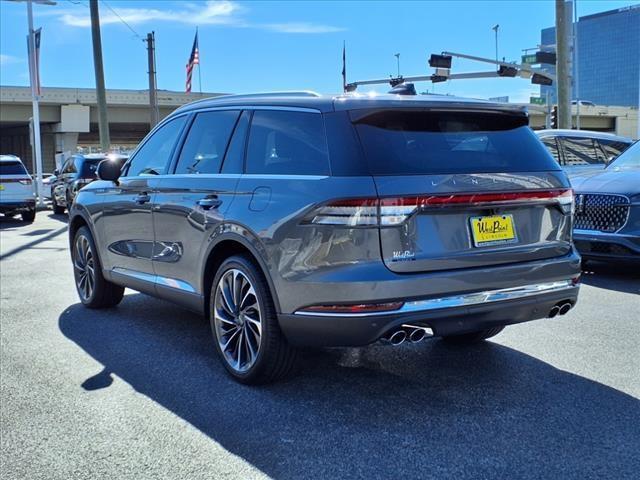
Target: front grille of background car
{"points": [[601, 212]]}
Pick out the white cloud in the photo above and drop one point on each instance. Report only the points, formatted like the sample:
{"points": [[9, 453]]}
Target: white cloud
{"points": [[222, 12], [8, 59], [214, 13]]}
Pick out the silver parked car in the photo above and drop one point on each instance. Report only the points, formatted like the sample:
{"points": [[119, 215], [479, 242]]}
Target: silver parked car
{"points": [[607, 219], [579, 151], [297, 219]]}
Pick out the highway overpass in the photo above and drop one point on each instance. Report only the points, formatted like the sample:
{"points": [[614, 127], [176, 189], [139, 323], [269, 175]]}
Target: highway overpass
{"points": [[69, 119]]}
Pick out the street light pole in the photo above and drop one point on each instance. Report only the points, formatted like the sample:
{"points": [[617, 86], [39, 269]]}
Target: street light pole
{"points": [[36, 108], [495, 29], [101, 96]]}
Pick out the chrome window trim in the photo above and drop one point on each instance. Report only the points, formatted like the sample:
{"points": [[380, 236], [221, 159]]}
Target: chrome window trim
{"points": [[257, 107], [464, 300]]}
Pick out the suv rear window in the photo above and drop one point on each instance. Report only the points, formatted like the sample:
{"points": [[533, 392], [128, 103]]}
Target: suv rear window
{"points": [[88, 168], [401, 142], [12, 168]]}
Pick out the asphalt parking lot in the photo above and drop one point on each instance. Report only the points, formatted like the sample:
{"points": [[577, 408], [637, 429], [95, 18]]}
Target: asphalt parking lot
{"points": [[137, 392]]}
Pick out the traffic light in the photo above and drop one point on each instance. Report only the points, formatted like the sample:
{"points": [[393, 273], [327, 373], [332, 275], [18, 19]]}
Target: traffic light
{"points": [[440, 61], [554, 116], [505, 71], [538, 79]]}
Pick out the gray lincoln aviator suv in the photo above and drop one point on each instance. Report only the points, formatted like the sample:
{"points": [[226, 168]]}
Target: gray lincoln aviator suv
{"points": [[297, 219]]}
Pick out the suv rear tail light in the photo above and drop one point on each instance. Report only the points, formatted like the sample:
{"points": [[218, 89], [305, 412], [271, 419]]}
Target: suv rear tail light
{"points": [[350, 213], [394, 211]]}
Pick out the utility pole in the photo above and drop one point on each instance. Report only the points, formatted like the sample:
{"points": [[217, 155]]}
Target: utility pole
{"points": [[576, 84], [103, 120], [397, 55], [153, 94], [37, 153], [563, 70]]}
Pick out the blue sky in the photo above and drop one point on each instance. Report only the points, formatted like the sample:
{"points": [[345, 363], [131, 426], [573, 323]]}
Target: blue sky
{"points": [[260, 45]]}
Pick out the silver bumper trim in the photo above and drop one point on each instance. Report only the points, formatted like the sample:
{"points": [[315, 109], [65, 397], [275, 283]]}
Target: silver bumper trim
{"points": [[467, 299]]}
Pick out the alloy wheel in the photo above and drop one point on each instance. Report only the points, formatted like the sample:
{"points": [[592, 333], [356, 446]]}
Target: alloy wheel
{"points": [[237, 320], [84, 266]]}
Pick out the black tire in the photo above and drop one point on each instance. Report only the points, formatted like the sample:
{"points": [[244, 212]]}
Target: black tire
{"points": [[473, 337], [103, 294], [57, 209], [275, 358], [29, 216]]}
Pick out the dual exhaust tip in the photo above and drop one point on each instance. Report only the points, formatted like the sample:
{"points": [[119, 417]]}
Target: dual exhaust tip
{"points": [[560, 309], [411, 333]]}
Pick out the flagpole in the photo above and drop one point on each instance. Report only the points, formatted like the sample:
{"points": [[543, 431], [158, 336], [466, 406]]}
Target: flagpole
{"points": [[199, 73]]}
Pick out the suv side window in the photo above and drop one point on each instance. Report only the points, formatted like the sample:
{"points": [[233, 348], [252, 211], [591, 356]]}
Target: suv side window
{"points": [[206, 142], [152, 158], [284, 142], [70, 166]]}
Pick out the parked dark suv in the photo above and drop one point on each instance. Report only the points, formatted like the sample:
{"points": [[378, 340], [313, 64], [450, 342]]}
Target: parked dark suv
{"points": [[76, 172], [303, 220]]}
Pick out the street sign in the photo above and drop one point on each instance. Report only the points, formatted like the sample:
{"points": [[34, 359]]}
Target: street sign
{"points": [[529, 58], [537, 101]]}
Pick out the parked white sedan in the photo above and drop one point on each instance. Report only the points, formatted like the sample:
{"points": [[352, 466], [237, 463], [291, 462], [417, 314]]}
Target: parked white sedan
{"points": [[16, 189]]}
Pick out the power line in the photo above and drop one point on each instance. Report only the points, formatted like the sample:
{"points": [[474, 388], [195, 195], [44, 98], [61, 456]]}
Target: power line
{"points": [[122, 20]]}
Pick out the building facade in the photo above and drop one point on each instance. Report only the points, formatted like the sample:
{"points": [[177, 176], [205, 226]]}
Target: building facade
{"points": [[608, 63]]}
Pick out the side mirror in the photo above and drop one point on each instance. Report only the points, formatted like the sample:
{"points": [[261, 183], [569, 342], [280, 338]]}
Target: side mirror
{"points": [[109, 170], [56, 172]]}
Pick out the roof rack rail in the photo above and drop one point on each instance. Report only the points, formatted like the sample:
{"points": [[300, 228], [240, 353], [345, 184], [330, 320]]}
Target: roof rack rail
{"points": [[291, 93]]}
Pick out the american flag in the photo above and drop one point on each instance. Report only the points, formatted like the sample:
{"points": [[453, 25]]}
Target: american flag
{"points": [[35, 71], [194, 59]]}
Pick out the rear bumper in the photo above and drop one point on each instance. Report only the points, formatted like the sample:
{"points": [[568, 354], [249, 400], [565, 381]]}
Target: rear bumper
{"points": [[449, 314], [321, 330], [15, 206]]}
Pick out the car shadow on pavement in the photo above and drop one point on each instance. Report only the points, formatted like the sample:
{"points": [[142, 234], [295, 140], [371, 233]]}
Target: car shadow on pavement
{"points": [[612, 276], [416, 411]]}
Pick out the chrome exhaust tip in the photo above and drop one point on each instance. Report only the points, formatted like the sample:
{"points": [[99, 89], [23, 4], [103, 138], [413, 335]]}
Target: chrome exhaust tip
{"points": [[554, 311], [416, 335], [564, 308], [397, 338]]}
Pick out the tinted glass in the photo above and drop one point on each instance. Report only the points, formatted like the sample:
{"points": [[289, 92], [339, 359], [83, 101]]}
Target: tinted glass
{"points": [[418, 143], [12, 168], [630, 159], [234, 159], [206, 142], [70, 166], [88, 168], [290, 143], [581, 151], [153, 156], [613, 148]]}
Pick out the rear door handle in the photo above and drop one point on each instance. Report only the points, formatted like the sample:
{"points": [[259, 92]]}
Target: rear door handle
{"points": [[207, 203], [142, 198]]}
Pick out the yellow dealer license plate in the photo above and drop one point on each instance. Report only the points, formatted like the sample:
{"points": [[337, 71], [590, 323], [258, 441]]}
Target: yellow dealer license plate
{"points": [[493, 230]]}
